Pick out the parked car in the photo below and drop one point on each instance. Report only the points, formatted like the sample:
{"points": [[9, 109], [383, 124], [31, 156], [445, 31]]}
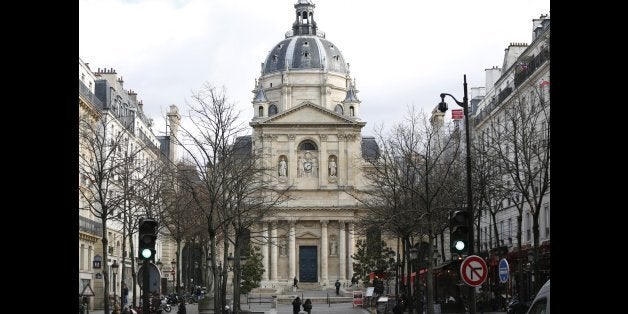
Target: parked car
{"points": [[541, 303]]}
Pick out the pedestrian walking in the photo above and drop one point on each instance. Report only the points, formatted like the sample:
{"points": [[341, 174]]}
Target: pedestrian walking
{"points": [[337, 284], [296, 305], [307, 306], [295, 282]]}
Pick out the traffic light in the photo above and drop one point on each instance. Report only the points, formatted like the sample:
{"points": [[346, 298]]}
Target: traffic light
{"points": [[459, 232], [147, 238]]}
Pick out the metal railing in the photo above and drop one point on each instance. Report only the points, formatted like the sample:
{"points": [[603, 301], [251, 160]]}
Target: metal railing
{"points": [[90, 226], [87, 93]]}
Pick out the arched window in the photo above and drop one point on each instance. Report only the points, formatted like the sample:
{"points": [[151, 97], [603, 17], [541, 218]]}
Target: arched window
{"points": [[351, 111], [307, 145], [260, 111], [272, 110], [339, 109]]}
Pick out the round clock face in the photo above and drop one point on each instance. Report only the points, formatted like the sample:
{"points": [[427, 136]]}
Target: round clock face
{"points": [[307, 166]]}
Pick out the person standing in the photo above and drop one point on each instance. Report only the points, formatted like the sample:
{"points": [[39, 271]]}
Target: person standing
{"points": [[307, 306], [337, 284], [125, 294], [296, 305], [295, 282]]}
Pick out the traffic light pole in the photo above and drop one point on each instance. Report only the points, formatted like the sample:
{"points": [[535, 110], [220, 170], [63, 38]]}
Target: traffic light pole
{"points": [[465, 106], [145, 287]]}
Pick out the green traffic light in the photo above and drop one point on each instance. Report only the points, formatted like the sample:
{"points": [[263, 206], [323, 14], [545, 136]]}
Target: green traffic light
{"points": [[147, 253], [459, 245]]}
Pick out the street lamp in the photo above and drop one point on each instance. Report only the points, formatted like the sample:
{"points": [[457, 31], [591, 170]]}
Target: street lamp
{"points": [[114, 270], [530, 274], [442, 107], [436, 258], [391, 255], [174, 272]]}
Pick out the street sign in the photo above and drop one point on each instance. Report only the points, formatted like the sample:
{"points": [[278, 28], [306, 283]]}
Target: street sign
{"points": [[473, 270], [87, 291], [456, 114], [503, 270], [97, 262], [153, 278]]}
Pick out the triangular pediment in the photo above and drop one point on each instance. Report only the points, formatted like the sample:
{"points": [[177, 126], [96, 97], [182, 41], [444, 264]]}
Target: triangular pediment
{"points": [[309, 113], [307, 235]]}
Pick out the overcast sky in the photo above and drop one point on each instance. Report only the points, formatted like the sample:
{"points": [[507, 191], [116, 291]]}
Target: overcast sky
{"points": [[401, 52]]}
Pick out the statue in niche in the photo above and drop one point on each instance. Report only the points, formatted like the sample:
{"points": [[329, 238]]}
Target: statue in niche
{"points": [[283, 249], [314, 167], [300, 169], [333, 247], [283, 167], [332, 167]]}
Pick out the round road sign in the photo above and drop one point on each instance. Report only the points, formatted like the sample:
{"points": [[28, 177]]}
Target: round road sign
{"points": [[473, 270], [504, 270]]}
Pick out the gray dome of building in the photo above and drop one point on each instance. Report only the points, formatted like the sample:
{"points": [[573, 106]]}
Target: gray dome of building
{"points": [[304, 52], [305, 47]]}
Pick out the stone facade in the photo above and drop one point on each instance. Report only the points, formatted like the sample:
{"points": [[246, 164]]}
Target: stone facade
{"points": [[312, 137]]}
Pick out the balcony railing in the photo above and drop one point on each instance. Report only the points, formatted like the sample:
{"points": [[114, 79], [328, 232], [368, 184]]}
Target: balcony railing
{"points": [[85, 92], [525, 69], [90, 226]]}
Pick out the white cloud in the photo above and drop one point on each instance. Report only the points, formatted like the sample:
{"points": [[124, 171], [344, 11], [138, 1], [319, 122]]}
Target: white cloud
{"points": [[401, 52]]}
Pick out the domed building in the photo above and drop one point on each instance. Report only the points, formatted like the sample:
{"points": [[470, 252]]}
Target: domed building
{"points": [[307, 126]]}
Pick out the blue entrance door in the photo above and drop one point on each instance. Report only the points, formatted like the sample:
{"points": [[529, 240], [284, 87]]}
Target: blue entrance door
{"points": [[307, 264]]}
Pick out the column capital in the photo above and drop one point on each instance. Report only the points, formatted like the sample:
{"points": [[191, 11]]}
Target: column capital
{"points": [[324, 222]]}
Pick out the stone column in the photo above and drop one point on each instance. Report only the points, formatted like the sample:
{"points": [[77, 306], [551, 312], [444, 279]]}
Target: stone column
{"points": [[341, 170], [322, 162], [350, 250], [292, 251], [266, 238], [324, 252], [274, 250], [292, 159], [342, 251]]}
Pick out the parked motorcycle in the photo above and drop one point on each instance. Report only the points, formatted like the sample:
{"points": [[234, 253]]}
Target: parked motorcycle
{"points": [[173, 299], [517, 306]]}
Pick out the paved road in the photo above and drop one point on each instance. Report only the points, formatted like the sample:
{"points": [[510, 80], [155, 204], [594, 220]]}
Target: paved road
{"points": [[339, 308]]}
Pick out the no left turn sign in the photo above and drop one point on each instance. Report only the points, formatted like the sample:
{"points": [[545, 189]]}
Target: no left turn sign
{"points": [[473, 270]]}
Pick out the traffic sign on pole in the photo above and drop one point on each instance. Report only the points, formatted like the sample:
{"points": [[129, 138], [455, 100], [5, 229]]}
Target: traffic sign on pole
{"points": [[473, 270], [504, 270]]}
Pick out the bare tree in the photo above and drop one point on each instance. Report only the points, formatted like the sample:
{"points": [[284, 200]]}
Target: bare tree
{"points": [[523, 142], [409, 182], [230, 193], [490, 185], [179, 218], [99, 164]]}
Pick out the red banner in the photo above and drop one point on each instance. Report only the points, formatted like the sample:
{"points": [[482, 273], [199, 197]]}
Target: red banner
{"points": [[457, 114]]}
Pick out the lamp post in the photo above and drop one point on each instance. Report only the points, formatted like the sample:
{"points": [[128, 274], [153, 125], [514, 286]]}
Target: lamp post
{"points": [[414, 256], [442, 107], [436, 256], [530, 274], [391, 255], [174, 272], [114, 270]]}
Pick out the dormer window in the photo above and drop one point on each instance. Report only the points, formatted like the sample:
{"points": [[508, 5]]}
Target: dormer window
{"points": [[305, 43], [306, 54], [274, 58], [272, 110], [339, 109]]}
